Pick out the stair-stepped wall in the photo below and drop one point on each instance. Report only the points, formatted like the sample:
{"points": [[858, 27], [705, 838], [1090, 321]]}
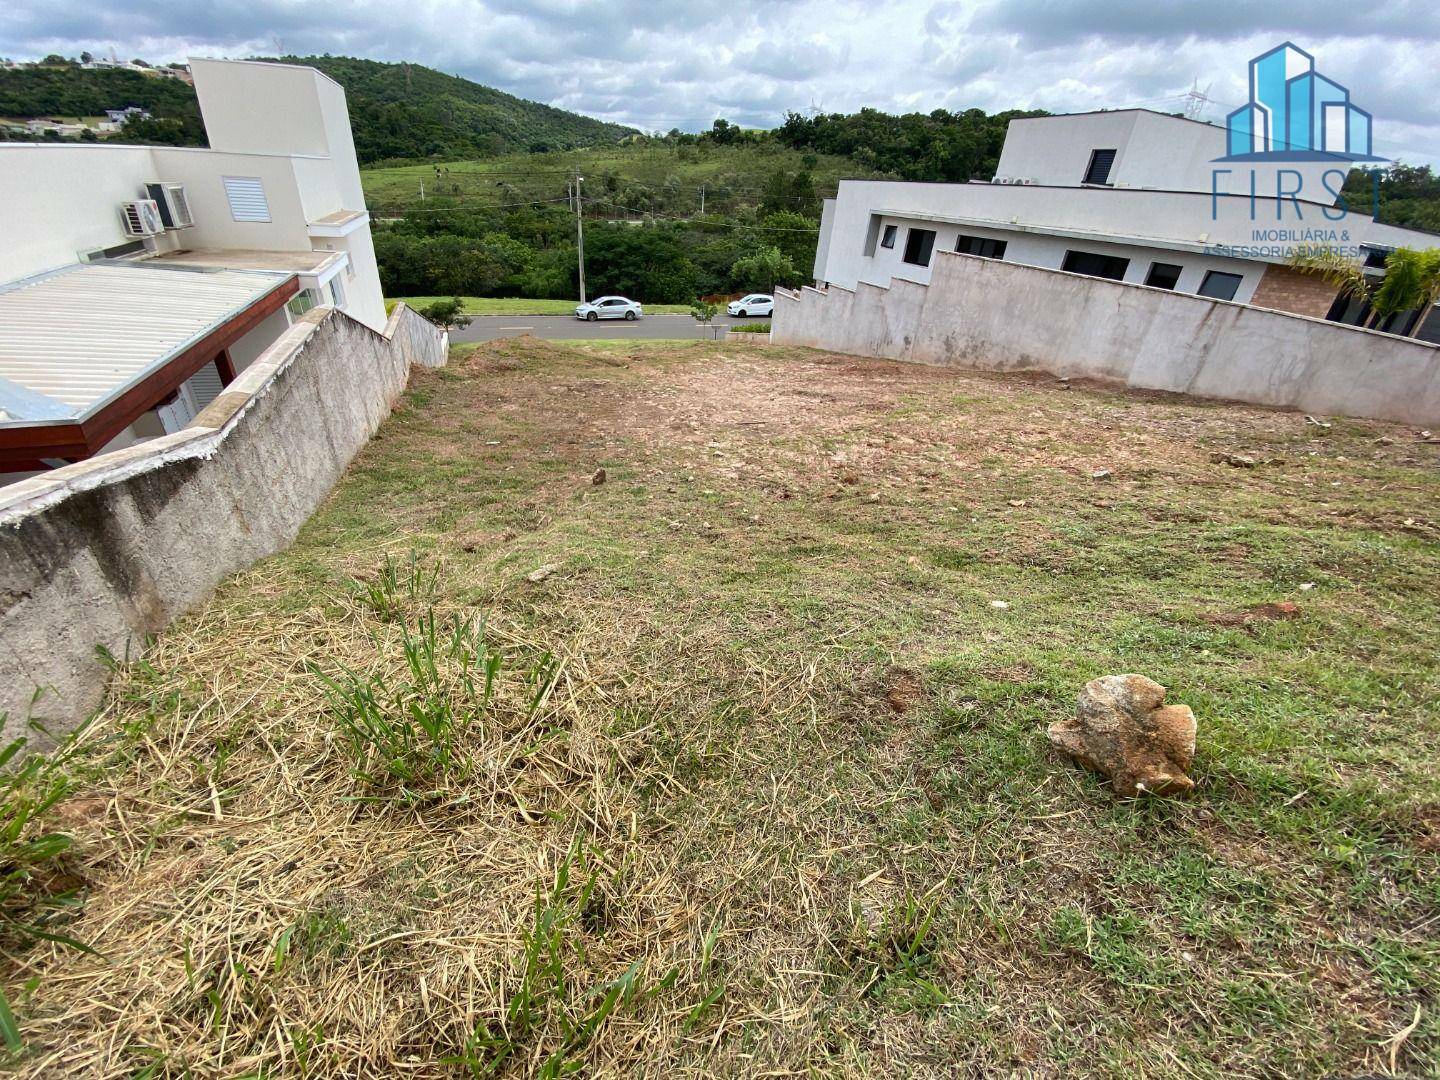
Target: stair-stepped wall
{"points": [[107, 552], [1000, 316]]}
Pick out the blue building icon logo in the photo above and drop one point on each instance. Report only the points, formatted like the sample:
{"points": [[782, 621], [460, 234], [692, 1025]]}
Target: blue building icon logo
{"points": [[1296, 114]]}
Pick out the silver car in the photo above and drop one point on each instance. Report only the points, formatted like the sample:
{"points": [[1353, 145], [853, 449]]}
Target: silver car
{"points": [[754, 304], [610, 307]]}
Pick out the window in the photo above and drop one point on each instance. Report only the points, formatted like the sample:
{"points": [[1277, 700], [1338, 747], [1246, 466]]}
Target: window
{"points": [[919, 243], [1098, 171], [888, 241], [1220, 286], [337, 292], [1087, 262], [247, 198], [1375, 257], [1163, 276], [302, 302], [984, 246]]}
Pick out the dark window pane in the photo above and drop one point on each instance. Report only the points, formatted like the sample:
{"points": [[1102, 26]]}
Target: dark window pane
{"points": [[1376, 258], [984, 246], [1163, 275], [1220, 286], [919, 243], [890, 231], [1099, 170], [1088, 262]]}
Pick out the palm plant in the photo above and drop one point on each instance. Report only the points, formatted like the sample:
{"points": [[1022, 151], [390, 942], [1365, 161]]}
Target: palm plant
{"points": [[1333, 268], [1412, 279]]}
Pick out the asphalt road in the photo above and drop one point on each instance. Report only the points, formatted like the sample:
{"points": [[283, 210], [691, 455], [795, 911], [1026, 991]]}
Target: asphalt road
{"points": [[490, 327]]}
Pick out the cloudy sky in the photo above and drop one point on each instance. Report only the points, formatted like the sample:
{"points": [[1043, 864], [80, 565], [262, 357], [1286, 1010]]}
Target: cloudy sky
{"points": [[659, 64]]}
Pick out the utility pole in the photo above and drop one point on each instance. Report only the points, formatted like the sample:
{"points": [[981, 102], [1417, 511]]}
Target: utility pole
{"points": [[422, 190], [580, 236], [702, 200]]}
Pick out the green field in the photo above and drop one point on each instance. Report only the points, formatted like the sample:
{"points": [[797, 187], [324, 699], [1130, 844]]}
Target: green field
{"points": [[520, 305], [731, 759], [671, 176]]}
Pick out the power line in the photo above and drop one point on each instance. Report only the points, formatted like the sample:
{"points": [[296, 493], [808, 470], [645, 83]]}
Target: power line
{"points": [[412, 209]]}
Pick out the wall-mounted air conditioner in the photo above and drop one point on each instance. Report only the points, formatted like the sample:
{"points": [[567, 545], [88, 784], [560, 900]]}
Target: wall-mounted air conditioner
{"points": [[142, 218], [174, 207]]}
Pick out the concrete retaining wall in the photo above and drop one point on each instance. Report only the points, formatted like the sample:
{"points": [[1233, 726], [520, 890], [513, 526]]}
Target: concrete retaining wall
{"points": [[983, 313], [108, 551]]}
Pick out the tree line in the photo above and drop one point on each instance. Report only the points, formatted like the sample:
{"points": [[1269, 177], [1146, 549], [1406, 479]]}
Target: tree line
{"points": [[447, 247]]}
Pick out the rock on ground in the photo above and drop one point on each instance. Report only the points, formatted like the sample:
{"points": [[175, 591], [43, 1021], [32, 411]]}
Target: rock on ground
{"points": [[1123, 729]]}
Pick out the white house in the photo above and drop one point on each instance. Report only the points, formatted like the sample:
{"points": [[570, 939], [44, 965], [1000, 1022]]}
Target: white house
{"points": [[136, 281], [1132, 195]]}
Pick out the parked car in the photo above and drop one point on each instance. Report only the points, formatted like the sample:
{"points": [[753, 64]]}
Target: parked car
{"points": [[610, 307], [754, 304]]}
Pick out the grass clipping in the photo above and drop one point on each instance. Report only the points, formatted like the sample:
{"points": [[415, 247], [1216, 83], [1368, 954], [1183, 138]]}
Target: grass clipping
{"points": [[364, 883]]}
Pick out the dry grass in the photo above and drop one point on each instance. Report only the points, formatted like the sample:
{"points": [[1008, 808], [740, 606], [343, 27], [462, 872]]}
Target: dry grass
{"points": [[761, 785]]}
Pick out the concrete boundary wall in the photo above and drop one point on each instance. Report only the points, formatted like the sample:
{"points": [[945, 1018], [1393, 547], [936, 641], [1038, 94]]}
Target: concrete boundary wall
{"points": [[107, 552], [999, 316]]}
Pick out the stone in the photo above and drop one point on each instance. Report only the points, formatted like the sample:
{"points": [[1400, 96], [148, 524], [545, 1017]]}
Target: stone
{"points": [[598, 477], [1123, 729], [1238, 461], [540, 573]]}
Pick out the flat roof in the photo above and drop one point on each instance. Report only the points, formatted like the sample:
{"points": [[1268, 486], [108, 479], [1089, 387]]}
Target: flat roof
{"points": [[286, 262], [1112, 112], [74, 339]]}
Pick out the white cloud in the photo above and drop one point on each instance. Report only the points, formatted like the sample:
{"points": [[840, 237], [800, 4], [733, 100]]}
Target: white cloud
{"points": [[681, 63]]}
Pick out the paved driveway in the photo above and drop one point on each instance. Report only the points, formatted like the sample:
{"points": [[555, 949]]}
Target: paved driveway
{"points": [[489, 327]]}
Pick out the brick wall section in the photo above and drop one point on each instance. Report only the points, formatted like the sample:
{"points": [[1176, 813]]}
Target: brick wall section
{"points": [[1284, 289]]}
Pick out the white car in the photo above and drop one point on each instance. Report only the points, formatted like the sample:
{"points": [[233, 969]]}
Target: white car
{"points": [[754, 304], [610, 307]]}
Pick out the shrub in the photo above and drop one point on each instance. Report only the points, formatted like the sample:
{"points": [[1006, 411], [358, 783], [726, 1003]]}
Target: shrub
{"points": [[448, 314]]}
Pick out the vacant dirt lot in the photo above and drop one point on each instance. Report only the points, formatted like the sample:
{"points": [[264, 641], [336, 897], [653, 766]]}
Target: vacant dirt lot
{"points": [[731, 764]]}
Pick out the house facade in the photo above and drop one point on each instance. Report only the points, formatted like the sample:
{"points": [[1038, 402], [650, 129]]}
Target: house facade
{"points": [[136, 281], [1130, 195]]}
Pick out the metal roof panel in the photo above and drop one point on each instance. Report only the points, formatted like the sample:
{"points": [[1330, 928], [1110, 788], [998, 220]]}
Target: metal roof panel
{"points": [[81, 335]]}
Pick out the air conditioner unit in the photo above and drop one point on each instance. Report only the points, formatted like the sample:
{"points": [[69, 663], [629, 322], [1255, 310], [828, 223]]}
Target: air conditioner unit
{"points": [[174, 207], [142, 218]]}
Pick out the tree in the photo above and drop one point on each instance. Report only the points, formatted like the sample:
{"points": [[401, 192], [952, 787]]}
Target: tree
{"points": [[645, 262], [86, 58], [1411, 282], [763, 269], [447, 314]]}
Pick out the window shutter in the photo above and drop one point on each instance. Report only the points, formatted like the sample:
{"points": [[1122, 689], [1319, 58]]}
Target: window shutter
{"points": [[1099, 170], [247, 198]]}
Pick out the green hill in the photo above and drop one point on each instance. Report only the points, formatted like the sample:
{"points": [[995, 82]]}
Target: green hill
{"points": [[70, 90], [396, 110], [411, 111]]}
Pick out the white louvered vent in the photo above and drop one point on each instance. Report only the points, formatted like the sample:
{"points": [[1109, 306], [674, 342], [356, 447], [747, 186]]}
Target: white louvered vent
{"points": [[247, 198], [142, 218], [174, 206]]}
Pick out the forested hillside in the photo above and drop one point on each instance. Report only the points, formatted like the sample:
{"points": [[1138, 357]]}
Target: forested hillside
{"points": [[1409, 196], [66, 89], [412, 111], [938, 145], [396, 110]]}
